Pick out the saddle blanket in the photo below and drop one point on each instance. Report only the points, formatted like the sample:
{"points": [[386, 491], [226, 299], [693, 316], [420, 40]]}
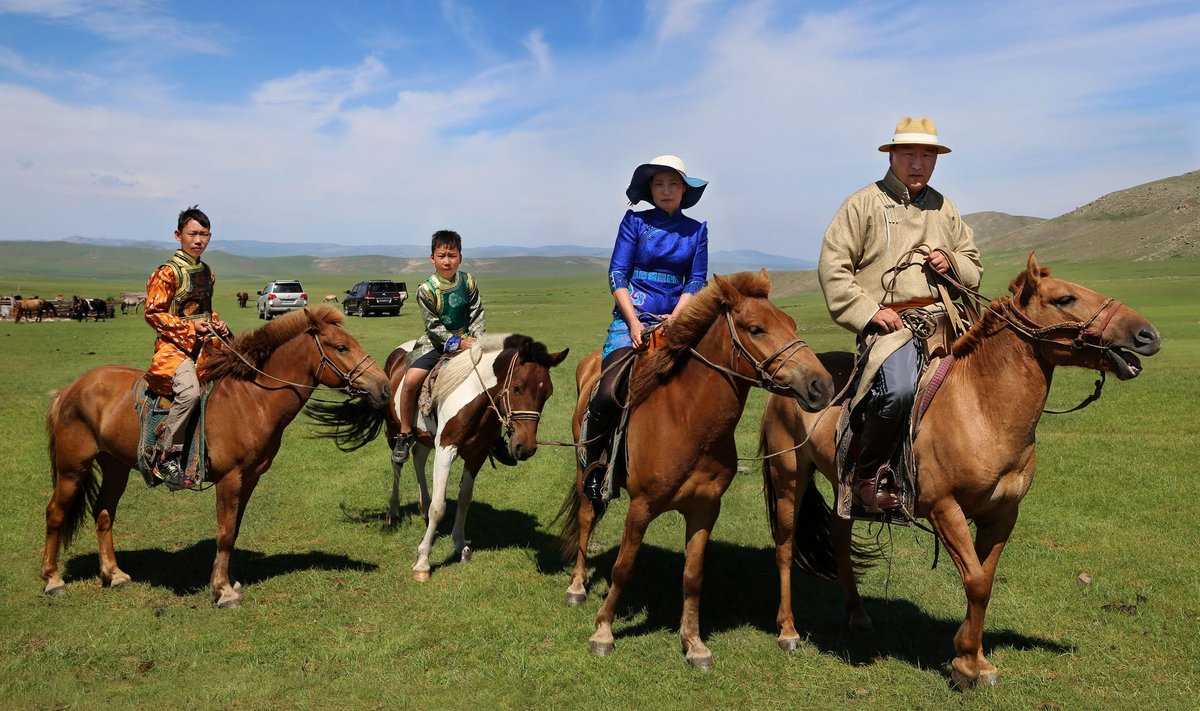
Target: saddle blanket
{"points": [[152, 413]]}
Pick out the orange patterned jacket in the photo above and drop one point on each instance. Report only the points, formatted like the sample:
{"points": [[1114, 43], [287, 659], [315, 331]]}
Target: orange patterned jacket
{"points": [[177, 339]]}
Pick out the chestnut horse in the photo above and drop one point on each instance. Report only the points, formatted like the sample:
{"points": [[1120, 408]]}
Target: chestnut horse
{"points": [[974, 450], [686, 398], [92, 423], [496, 388]]}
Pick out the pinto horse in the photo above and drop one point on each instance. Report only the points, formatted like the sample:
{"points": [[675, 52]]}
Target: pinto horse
{"points": [[495, 389], [82, 308], [92, 424], [974, 450], [686, 398]]}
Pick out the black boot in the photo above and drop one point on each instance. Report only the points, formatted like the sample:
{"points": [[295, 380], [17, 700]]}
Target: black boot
{"points": [[595, 434], [872, 446]]}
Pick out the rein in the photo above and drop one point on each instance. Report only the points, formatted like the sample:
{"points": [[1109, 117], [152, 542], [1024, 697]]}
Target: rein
{"points": [[365, 363], [763, 377]]}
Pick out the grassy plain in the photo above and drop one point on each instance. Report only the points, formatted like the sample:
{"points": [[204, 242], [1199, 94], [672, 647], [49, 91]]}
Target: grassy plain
{"points": [[332, 618]]}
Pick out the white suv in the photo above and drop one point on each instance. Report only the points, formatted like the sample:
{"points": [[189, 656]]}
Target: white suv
{"points": [[279, 297]]}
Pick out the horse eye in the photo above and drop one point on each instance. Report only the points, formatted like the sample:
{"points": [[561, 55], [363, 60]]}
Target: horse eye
{"points": [[1066, 300], [516, 389], [756, 330], [342, 348]]}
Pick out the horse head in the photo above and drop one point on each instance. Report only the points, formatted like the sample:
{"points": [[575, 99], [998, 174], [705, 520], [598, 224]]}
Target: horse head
{"points": [[344, 364], [764, 338], [1077, 326], [524, 385]]}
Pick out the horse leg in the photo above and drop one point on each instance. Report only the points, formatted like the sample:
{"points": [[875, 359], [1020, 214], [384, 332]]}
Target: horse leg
{"points": [[779, 479], [465, 491], [442, 460], [840, 531], [420, 458], [116, 477], [699, 527], [66, 488], [233, 492], [393, 512], [970, 667], [636, 521], [586, 517]]}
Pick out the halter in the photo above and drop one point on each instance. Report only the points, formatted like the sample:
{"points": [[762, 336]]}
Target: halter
{"points": [[513, 415], [764, 375]]}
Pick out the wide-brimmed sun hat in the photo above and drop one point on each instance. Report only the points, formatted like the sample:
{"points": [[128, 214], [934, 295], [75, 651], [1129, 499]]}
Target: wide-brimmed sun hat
{"points": [[639, 184], [915, 131]]}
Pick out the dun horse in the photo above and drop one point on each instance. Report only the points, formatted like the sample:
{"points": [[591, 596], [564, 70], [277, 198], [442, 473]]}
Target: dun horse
{"points": [[92, 424], [686, 398], [974, 451], [497, 388]]}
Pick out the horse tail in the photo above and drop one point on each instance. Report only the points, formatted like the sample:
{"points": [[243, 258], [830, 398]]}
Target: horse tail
{"points": [[568, 538], [812, 548], [351, 423], [89, 490]]}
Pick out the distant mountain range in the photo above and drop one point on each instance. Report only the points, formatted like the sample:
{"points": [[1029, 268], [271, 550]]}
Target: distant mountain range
{"points": [[721, 261]]}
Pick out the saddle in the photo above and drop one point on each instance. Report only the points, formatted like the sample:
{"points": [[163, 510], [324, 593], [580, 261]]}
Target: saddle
{"points": [[152, 411], [425, 396], [935, 332]]}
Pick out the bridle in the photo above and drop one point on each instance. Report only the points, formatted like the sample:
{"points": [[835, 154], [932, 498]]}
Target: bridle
{"points": [[360, 368], [506, 420], [765, 370]]}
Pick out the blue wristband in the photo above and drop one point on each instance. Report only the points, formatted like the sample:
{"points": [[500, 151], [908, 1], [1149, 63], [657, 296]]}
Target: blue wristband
{"points": [[452, 344]]}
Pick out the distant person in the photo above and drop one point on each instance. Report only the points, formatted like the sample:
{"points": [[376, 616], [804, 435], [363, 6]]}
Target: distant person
{"points": [[869, 272], [454, 319], [659, 261], [179, 309]]}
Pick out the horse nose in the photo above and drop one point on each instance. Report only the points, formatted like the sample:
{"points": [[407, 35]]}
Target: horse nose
{"points": [[821, 389], [523, 452], [1148, 341]]}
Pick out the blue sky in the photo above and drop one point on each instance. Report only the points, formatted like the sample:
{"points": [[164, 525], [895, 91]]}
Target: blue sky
{"points": [[520, 122]]}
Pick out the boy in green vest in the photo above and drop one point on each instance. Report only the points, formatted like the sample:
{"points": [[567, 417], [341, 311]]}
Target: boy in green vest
{"points": [[453, 314]]}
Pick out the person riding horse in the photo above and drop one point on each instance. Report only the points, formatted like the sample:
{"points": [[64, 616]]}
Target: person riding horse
{"points": [[866, 288]]}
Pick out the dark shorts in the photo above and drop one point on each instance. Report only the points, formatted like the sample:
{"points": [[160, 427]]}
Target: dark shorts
{"points": [[427, 361]]}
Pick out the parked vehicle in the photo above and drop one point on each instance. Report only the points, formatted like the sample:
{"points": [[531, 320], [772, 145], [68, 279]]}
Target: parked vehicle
{"points": [[375, 296], [279, 297]]}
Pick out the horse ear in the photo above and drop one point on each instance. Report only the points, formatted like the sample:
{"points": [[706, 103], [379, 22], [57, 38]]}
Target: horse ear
{"points": [[729, 295], [556, 358], [1026, 283]]}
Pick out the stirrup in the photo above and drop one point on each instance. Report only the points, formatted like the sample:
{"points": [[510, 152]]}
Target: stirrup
{"points": [[593, 480], [882, 500], [171, 473]]}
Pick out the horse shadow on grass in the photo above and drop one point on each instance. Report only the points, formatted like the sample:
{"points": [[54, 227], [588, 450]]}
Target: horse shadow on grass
{"points": [[185, 571], [741, 588]]}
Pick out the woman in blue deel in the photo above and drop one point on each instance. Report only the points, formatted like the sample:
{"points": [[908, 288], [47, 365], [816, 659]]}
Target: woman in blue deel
{"points": [[659, 261]]}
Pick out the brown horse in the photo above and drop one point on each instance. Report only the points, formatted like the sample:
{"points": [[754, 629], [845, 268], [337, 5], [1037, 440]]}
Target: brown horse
{"points": [[974, 451], [92, 423], [687, 397], [31, 309], [242, 298]]}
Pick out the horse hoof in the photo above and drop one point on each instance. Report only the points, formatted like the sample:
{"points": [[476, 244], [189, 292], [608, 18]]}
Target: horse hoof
{"points": [[576, 599], [421, 576], [962, 682], [702, 662], [120, 581], [465, 555], [600, 649], [789, 644], [229, 602], [56, 590], [237, 588]]}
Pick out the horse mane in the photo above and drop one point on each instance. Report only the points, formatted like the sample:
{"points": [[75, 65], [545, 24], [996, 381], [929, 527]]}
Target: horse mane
{"points": [[690, 326], [258, 345], [990, 321], [456, 370]]}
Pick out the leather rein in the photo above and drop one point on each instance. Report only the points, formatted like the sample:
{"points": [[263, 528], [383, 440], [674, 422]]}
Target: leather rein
{"points": [[513, 415], [348, 377]]}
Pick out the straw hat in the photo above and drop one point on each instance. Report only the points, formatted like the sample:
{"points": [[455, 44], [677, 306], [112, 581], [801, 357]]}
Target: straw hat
{"points": [[915, 131], [639, 184]]}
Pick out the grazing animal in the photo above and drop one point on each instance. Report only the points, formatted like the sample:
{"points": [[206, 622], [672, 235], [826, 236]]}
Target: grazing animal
{"points": [[31, 308], [686, 398], [92, 426], [330, 297], [242, 298], [132, 299], [496, 388], [83, 309], [975, 450]]}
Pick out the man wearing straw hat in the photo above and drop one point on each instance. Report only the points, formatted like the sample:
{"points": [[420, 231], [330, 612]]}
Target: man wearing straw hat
{"points": [[878, 258]]}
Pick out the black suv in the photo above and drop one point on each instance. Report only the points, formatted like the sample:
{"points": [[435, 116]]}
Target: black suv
{"points": [[375, 296]]}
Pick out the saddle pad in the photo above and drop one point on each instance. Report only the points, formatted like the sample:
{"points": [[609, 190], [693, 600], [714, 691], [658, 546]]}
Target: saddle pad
{"points": [[151, 414]]}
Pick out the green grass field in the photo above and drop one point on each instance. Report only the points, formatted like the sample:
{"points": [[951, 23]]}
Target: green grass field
{"points": [[332, 619]]}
